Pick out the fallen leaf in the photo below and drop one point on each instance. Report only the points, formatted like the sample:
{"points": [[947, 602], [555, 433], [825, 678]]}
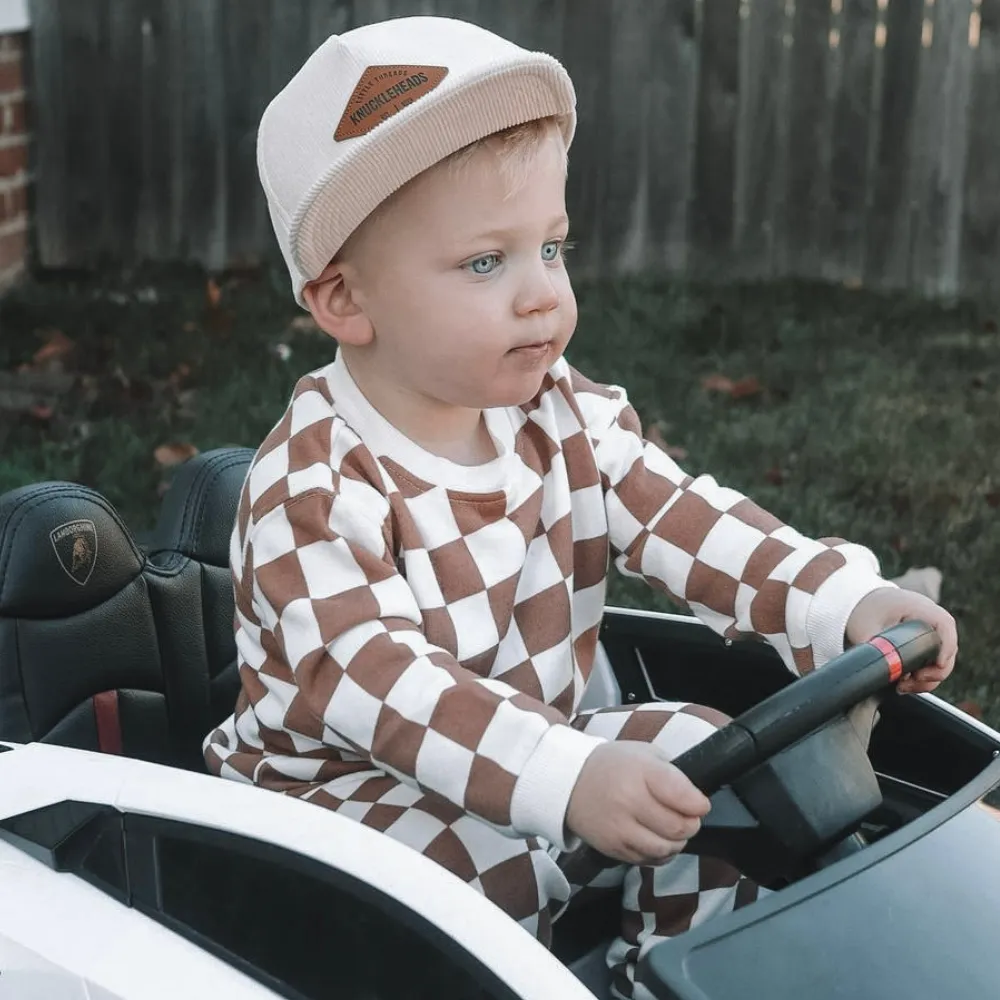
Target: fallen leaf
{"points": [[57, 345], [990, 325], [972, 708], [739, 389], [41, 411], [717, 383], [746, 387], [899, 543], [676, 452], [775, 475], [190, 327], [174, 453], [213, 294], [993, 499]]}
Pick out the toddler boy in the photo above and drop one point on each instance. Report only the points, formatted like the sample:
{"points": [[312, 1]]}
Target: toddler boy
{"points": [[422, 545]]}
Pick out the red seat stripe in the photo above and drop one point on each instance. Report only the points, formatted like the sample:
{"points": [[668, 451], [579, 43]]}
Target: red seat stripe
{"points": [[109, 726]]}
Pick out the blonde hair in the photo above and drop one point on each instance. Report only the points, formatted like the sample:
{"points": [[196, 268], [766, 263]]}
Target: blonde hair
{"points": [[514, 149]]}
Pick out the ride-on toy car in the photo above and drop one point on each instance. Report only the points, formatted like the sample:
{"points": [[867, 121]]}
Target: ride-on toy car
{"points": [[127, 872]]}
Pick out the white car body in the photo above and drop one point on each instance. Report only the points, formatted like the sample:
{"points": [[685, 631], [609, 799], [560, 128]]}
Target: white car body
{"points": [[64, 939]]}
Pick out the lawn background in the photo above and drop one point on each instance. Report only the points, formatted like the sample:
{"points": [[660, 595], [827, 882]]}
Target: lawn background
{"points": [[871, 417]]}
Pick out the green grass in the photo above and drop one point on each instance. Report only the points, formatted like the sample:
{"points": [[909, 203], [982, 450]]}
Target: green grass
{"points": [[878, 420]]}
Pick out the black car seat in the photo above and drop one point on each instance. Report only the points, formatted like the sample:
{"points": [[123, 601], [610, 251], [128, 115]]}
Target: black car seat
{"points": [[82, 659], [194, 529], [103, 647]]}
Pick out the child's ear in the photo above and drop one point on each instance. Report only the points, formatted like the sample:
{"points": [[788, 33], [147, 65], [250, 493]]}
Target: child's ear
{"points": [[334, 306]]}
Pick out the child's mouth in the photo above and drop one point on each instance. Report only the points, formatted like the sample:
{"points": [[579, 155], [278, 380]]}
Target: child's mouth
{"points": [[534, 351]]}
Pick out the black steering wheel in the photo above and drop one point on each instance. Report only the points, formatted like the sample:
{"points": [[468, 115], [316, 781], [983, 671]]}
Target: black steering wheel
{"points": [[871, 668], [765, 770]]}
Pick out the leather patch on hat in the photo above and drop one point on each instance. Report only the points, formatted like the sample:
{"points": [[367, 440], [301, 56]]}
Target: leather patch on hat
{"points": [[384, 91]]}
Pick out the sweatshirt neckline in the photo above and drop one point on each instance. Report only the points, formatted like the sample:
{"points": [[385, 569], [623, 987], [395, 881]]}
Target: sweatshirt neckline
{"points": [[385, 440]]}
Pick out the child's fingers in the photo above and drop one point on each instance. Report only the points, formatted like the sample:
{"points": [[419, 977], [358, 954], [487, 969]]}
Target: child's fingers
{"points": [[643, 847], [928, 678], [925, 679], [672, 789], [949, 649], [944, 624]]}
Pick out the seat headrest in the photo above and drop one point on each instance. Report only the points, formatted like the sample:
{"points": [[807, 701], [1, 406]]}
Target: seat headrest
{"points": [[63, 549], [199, 510]]}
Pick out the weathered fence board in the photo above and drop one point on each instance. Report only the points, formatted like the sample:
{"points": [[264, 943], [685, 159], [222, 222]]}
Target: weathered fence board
{"points": [[246, 212], [156, 175], [325, 19], [853, 108], [51, 166], [712, 216], [980, 267], [587, 30], [853, 140], [83, 142], [762, 140], [808, 149], [124, 131], [671, 45], [626, 229], [940, 175], [887, 261], [204, 116]]}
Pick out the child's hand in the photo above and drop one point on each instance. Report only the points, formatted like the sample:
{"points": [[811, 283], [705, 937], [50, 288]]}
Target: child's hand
{"points": [[886, 607], [632, 804]]}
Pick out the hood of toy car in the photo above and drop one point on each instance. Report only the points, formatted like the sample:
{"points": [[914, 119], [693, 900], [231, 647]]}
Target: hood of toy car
{"points": [[914, 915]]}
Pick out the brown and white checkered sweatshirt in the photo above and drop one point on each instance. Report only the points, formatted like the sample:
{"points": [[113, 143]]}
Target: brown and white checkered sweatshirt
{"points": [[438, 622]]}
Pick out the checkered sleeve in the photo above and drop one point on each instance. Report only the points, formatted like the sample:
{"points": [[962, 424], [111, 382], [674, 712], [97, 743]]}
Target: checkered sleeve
{"points": [[737, 567], [327, 588]]}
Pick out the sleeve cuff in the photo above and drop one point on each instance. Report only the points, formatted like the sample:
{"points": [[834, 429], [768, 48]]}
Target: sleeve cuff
{"points": [[541, 793], [833, 604]]}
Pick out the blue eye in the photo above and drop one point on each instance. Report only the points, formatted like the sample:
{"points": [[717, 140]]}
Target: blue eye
{"points": [[490, 260], [551, 250]]}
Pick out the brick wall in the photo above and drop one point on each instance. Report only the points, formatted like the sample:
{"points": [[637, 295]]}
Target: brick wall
{"points": [[14, 175]]}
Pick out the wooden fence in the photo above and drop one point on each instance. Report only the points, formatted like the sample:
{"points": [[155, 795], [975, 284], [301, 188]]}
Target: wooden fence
{"points": [[851, 140]]}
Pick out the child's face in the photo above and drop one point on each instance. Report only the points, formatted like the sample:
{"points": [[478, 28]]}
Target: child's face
{"points": [[466, 288]]}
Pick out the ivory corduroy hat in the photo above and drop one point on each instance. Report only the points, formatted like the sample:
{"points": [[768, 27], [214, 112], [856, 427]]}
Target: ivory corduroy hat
{"points": [[372, 108]]}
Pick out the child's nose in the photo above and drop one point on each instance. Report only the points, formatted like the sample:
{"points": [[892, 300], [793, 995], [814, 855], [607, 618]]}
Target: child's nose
{"points": [[538, 292]]}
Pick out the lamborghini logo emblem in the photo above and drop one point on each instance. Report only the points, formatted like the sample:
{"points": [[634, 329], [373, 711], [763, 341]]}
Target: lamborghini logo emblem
{"points": [[75, 545]]}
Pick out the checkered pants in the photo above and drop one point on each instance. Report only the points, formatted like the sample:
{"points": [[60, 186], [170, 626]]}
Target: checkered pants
{"points": [[534, 882]]}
